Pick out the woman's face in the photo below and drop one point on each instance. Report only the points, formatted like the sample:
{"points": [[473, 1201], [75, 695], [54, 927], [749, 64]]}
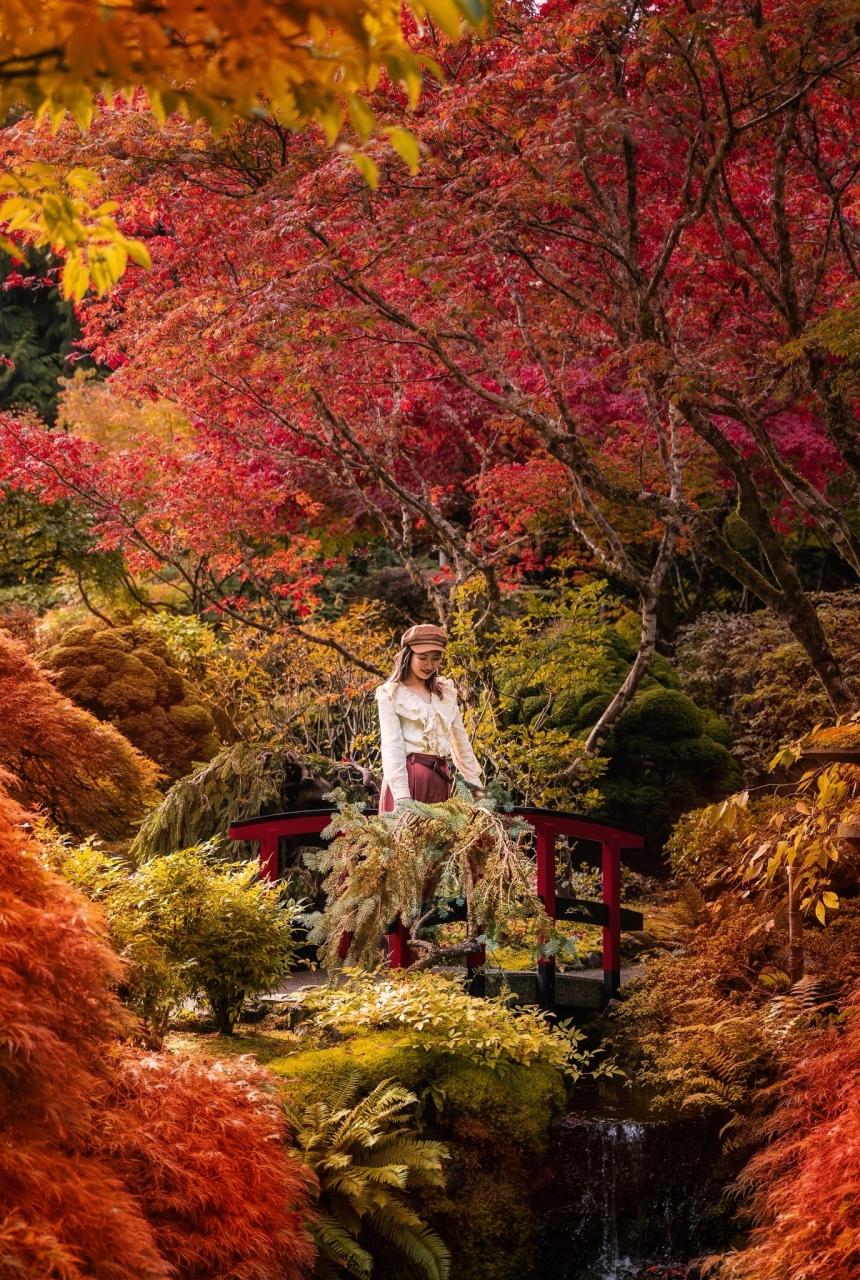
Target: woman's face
{"points": [[425, 664]]}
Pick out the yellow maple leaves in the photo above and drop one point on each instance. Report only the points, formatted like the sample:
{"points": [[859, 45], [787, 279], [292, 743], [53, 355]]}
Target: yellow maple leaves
{"points": [[301, 60], [216, 59]]}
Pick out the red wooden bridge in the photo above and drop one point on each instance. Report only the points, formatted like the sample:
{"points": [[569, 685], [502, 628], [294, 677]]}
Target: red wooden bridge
{"points": [[269, 831]]}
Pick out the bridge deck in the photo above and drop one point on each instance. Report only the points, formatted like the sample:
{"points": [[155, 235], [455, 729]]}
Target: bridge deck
{"points": [[269, 830]]}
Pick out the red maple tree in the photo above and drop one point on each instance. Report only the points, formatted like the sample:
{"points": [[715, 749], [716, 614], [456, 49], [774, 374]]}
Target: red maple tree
{"points": [[112, 1165]]}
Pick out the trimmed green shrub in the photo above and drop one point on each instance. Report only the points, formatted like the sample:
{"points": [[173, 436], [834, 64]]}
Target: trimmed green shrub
{"points": [[666, 756], [125, 675]]}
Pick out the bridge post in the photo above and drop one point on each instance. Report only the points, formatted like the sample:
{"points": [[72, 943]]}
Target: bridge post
{"points": [[610, 868], [476, 983], [397, 943], [545, 855]]}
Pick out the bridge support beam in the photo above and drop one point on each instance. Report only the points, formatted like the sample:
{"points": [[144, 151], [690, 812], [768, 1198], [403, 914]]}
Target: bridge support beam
{"points": [[545, 857], [610, 876]]}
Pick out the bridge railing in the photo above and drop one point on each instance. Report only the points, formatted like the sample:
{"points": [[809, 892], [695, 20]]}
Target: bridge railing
{"points": [[548, 825]]}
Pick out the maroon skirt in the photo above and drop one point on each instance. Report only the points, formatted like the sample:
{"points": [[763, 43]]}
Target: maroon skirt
{"points": [[431, 780]]}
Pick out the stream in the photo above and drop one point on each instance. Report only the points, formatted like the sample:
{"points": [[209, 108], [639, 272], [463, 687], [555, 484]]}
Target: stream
{"points": [[629, 1192]]}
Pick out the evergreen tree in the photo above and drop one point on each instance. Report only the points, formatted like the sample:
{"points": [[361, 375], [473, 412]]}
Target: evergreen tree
{"points": [[37, 330]]}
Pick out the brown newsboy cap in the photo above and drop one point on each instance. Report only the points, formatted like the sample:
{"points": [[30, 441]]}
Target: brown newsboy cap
{"points": [[424, 636]]}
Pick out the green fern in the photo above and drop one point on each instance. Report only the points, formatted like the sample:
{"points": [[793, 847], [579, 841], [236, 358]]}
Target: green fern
{"points": [[368, 1161]]}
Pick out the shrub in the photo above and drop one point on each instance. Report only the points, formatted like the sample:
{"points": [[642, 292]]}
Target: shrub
{"points": [[802, 1187], [203, 1147], [749, 669], [711, 855], [117, 1169], [442, 1018], [557, 665], [370, 1164], [284, 688], [790, 845], [83, 773], [224, 933], [125, 675], [666, 756]]}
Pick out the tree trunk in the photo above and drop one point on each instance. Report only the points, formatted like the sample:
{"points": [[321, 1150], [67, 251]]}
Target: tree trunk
{"points": [[838, 418], [624, 696], [223, 1019]]}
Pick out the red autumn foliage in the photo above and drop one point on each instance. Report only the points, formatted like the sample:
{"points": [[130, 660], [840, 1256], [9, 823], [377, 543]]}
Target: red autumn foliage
{"points": [[65, 1214], [87, 776], [805, 1185], [627, 221], [114, 1167], [201, 1146]]}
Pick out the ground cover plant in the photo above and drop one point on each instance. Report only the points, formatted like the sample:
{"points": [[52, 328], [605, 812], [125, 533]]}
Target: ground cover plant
{"points": [[488, 1082]]}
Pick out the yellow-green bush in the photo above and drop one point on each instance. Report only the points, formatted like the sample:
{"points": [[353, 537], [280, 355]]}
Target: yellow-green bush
{"points": [[187, 926]]}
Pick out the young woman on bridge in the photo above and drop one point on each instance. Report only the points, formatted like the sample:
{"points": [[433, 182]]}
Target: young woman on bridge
{"points": [[421, 726]]}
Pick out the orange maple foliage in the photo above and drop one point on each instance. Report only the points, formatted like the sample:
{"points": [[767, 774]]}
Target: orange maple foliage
{"points": [[114, 1166], [86, 775], [201, 1145], [63, 1213], [805, 1185]]}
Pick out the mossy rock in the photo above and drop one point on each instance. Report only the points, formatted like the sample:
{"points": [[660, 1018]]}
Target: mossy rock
{"points": [[840, 737], [497, 1125]]}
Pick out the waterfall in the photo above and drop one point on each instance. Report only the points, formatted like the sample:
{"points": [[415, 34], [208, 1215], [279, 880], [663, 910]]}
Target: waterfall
{"points": [[628, 1193]]}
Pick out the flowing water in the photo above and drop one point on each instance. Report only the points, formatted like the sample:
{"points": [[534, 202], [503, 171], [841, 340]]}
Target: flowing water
{"points": [[629, 1193]]}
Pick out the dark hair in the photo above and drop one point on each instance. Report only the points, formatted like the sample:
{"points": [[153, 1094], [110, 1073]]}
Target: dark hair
{"points": [[401, 671]]}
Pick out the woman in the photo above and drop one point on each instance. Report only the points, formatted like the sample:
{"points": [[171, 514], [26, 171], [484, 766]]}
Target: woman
{"points": [[421, 726]]}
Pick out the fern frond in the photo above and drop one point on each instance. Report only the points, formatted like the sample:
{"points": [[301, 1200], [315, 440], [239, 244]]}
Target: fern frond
{"points": [[340, 1246], [420, 1244]]}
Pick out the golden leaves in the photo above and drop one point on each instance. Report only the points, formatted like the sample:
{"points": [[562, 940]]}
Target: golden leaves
{"points": [[56, 211]]}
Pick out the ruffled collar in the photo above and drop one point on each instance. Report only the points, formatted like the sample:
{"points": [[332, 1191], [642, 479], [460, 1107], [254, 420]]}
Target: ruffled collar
{"points": [[410, 702]]}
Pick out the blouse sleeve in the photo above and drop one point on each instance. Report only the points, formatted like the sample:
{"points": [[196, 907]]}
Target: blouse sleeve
{"points": [[393, 747], [464, 756]]}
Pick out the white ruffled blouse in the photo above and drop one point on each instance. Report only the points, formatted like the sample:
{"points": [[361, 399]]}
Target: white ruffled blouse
{"points": [[407, 723]]}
